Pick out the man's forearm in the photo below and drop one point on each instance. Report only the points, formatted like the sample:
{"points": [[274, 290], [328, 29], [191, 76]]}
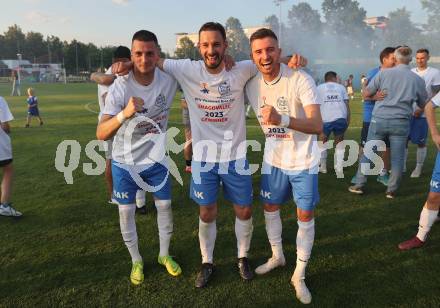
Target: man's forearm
{"points": [[108, 127], [307, 126], [103, 79]]}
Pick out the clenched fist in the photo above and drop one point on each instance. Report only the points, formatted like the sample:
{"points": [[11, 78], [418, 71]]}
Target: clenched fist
{"points": [[122, 68], [135, 104], [297, 61], [270, 115]]}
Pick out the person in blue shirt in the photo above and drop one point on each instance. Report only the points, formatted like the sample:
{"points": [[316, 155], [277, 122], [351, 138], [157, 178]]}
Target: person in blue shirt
{"points": [[33, 111]]}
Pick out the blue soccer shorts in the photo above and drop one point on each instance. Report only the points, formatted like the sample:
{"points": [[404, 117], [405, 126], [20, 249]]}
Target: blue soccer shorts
{"points": [[234, 175], [125, 184], [278, 185], [337, 127], [418, 133], [434, 185]]}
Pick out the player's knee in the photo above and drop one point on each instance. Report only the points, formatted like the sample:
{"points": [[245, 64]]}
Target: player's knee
{"points": [[208, 213], [162, 205], [243, 213], [271, 207], [304, 215], [433, 201]]}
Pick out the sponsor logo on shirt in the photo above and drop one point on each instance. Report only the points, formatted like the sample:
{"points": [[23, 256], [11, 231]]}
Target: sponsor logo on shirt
{"points": [[282, 104], [224, 89], [160, 101], [204, 87]]}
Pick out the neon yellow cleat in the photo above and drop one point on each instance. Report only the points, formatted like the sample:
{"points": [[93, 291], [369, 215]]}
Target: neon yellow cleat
{"points": [[172, 267], [137, 273]]}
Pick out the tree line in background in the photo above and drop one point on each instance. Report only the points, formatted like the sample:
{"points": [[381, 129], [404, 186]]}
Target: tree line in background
{"points": [[77, 56], [338, 31]]}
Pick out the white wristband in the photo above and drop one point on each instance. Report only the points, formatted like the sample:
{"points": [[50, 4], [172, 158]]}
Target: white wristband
{"points": [[285, 120], [120, 117]]}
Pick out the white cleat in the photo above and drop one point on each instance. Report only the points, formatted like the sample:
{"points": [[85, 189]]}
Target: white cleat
{"points": [[8, 210], [271, 264], [302, 292], [417, 172], [322, 168]]}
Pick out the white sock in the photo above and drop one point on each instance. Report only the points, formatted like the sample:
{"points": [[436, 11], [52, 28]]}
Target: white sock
{"points": [[274, 229], [128, 230], [339, 158], [421, 155], [383, 172], [207, 235], [164, 224], [243, 232], [427, 219], [304, 244], [140, 198]]}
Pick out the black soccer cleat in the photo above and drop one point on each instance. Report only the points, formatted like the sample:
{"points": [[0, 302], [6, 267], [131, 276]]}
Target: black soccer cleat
{"points": [[245, 269], [204, 275]]}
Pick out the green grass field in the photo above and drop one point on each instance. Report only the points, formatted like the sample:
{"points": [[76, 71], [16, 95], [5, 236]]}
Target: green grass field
{"points": [[67, 250]]}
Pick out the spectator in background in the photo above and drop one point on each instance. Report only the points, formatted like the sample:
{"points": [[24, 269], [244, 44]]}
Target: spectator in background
{"points": [[33, 110], [15, 84], [349, 86]]}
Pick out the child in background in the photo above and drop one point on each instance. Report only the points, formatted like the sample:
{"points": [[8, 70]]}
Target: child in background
{"points": [[33, 107]]}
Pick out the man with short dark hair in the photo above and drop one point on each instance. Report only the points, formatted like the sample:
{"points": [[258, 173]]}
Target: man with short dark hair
{"points": [[287, 107], [335, 112], [419, 127], [104, 81], [138, 106], [391, 116]]}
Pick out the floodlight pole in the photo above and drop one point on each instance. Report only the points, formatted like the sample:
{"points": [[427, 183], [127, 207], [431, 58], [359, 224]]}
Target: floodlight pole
{"points": [[19, 57], [278, 3]]}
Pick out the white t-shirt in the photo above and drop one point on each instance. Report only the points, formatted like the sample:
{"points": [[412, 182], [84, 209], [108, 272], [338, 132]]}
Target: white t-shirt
{"points": [[436, 100], [289, 93], [432, 78], [332, 97], [216, 107], [102, 90], [5, 140], [145, 142]]}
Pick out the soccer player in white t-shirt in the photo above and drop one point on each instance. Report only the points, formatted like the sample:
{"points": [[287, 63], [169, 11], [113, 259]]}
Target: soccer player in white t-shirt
{"points": [[335, 113], [136, 114], [419, 127], [104, 80], [6, 208], [215, 99], [287, 107], [430, 210]]}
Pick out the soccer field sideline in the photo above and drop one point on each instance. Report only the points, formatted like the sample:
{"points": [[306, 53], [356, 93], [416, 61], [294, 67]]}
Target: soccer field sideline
{"points": [[67, 250]]}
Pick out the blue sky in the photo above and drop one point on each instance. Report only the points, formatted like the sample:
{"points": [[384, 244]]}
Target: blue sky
{"points": [[113, 22]]}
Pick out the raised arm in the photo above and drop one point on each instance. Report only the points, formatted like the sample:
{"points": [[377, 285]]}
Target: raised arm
{"points": [[103, 79]]}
